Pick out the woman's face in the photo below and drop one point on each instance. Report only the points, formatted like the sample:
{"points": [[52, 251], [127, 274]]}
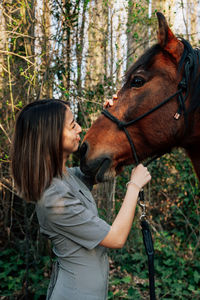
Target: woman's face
{"points": [[71, 131]]}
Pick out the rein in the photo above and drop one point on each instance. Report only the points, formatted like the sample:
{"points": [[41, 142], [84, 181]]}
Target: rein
{"points": [[182, 94]]}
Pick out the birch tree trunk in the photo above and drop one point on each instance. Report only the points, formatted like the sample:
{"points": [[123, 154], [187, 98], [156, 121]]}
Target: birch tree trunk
{"points": [[182, 17], [96, 67], [192, 12], [138, 36], [47, 80], [2, 57]]}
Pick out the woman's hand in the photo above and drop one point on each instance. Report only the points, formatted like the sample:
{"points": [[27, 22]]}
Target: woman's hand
{"points": [[140, 176], [110, 102]]}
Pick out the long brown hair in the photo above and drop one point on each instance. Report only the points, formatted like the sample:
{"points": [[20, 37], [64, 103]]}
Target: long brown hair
{"points": [[36, 152]]}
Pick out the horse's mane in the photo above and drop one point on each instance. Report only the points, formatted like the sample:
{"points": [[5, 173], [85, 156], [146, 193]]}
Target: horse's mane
{"points": [[190, 61]]}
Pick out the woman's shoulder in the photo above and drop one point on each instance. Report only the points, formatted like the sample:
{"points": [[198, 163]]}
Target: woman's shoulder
{"points": [[87, 180], [55, 194], [58, 185], [75, 171]]}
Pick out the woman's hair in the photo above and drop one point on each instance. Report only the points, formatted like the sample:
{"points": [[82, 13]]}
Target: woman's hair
{"points": [[37, 152]]}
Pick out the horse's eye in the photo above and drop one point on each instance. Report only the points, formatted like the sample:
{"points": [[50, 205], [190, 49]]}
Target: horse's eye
{"points": [[137, 81]]}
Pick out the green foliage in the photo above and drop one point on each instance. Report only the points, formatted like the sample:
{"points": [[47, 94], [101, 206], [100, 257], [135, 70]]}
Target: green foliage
{"points": [[177, 275], [173, 210], [13, 274]]}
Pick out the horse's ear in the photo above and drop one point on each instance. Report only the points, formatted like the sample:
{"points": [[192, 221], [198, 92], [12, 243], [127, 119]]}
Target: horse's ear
{"points": [[167, 39]]}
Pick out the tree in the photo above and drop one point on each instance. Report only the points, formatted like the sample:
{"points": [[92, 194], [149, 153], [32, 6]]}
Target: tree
{"points": [[139, 28]]}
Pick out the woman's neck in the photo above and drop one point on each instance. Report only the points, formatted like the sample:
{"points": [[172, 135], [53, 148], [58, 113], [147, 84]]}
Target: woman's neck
{"points": [[64, 165]]}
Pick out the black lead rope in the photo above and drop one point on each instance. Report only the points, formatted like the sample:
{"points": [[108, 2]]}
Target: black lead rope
{"points": [[147, 237], [148, 243]]}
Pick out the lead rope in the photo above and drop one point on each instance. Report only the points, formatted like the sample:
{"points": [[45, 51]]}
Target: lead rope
{"points": [[147, 237], [148, 243], [146, 233]]}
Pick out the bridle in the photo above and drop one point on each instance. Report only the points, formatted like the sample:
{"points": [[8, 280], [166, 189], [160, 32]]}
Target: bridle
{"points": [[182, 94], [189, 60], [123, 125]]}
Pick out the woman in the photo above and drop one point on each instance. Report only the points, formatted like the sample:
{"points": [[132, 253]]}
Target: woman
{"points": [[45, 135]]}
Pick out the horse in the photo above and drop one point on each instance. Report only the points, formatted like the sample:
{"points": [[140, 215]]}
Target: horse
{"points": [[157, 109]]}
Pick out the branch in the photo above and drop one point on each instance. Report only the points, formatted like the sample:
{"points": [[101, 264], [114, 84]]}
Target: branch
{"points": [[20, 56], [4, 131], [19, 34]]}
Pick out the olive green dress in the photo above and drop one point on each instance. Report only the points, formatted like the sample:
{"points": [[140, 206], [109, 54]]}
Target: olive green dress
{"points": [[67, 214]]}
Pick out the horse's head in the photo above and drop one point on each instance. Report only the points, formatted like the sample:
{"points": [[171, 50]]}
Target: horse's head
{"points": [[153, 78]]}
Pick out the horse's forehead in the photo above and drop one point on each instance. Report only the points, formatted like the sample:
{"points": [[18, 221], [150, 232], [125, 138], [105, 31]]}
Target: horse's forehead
{"points": [[164, 65], [161, 65]]}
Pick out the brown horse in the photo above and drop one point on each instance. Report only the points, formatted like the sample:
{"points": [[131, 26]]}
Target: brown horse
{"points": [[161, 95]]}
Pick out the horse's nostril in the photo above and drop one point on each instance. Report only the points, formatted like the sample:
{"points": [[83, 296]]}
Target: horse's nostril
{"points": [[83, 150]]}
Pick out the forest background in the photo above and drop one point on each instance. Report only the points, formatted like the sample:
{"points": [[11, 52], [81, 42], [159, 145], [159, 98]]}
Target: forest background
{"points": [[79, 50]]}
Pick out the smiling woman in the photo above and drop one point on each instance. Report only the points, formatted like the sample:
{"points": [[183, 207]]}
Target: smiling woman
{"points": [[45, 135]]}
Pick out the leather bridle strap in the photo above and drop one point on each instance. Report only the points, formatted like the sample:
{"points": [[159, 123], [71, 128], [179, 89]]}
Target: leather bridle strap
{"points": [[122, 125]]}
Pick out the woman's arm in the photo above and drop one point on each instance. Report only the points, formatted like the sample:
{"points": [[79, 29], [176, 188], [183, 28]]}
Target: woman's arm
{"points": [[121, 226]]}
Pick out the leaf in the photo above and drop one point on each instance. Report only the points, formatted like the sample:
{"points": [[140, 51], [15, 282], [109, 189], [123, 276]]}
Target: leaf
{"points": [[196, 276], [127, 279]]}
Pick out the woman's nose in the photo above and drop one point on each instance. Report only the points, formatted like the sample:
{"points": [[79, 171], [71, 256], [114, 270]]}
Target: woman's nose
{"points": [[79, 129]]}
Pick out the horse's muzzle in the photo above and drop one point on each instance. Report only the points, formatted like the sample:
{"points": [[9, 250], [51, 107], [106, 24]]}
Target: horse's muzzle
{"points": [[96, 167]]}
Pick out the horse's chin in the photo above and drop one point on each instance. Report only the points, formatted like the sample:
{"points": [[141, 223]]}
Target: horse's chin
{"points": [[119, 169], [104, 174], [101, 169]]}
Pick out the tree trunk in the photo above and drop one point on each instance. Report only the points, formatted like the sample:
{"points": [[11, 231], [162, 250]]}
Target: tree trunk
{"points": [[97, 42], [137, 29], [47, 80], [2, 57]]}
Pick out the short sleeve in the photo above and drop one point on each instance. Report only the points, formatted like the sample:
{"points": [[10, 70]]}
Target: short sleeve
{"points": [[68, 217]]}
